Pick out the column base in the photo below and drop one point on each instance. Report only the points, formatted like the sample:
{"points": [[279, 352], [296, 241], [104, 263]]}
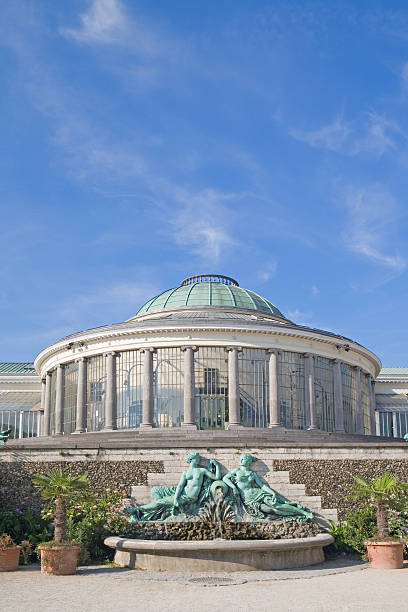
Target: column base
{"points": [[313, 428], [235, 426], [274, 426], [146, 426], [191, 426], [79, 431], [110, 429], [340, 431]]}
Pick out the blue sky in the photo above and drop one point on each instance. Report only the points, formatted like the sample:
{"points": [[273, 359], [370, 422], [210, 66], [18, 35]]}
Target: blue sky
{"points": [[143, 142]]}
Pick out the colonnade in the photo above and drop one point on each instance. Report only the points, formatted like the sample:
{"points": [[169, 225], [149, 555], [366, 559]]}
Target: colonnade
{"points": [[189, 393]]}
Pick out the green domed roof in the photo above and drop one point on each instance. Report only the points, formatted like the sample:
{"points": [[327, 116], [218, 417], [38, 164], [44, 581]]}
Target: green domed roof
{"points": [[209, 290]]}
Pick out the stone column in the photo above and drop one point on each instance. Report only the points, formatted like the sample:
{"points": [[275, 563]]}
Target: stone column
{"points": [[310, 406], [371, 383], [81, 396], [41, 415], [189, 387], [359, 411], [338, 397], [377, 423], [394, 425], [274, 412], [110, 392], [148, 393], [47, 406], [234, 407], [59, 401]]}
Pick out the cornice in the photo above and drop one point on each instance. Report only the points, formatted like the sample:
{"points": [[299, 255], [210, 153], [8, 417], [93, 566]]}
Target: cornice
{"points": [[18, 379], [82, 339]]}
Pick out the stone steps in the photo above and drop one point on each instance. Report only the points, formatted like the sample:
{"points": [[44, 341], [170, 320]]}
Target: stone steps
{"points": [[179, 438]]}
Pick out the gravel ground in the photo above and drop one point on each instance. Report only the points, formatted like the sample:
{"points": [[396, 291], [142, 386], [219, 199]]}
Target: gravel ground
{"points": [[330, 587]]}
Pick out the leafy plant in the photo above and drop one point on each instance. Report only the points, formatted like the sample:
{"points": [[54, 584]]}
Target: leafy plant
{"points": [[25, 527], [61, 488], [379, 492], [349, 535], [92, 520]]}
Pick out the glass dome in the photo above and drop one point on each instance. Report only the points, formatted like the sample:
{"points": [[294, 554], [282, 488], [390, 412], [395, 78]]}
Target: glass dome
{"points": [[209, 290]]}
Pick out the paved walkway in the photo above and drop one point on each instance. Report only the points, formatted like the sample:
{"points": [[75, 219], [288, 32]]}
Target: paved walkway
{"points": [[330, 587]]}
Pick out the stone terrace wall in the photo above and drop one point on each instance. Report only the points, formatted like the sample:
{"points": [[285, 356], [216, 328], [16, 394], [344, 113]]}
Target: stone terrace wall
{"points": [[333, 479], [317, 477], [15, 477]]}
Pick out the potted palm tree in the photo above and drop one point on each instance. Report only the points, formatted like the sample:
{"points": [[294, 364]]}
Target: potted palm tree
{"points": [[60, 557], [384, 552]]}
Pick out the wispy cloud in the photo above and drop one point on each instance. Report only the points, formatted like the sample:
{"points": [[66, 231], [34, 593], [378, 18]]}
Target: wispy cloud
{"points": [[372, 134], [332, 136], [120, 300], [372, 213], [315, 290], [268, 271], [105, 22], [299, 317], [200, 223], [109, 23]]}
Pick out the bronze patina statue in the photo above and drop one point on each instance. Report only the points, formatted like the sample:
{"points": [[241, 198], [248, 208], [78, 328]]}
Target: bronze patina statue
{"points": [[4, 436], [192, 489], [259, 500]]}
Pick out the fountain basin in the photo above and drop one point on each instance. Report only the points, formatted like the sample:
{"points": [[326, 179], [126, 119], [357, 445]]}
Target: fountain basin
{"points": [[219, 555]]}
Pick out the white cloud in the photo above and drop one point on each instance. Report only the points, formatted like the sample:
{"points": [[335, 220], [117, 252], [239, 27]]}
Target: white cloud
{"points": [[332, 137], [372, 213], [120, 300], [200, 223], [104, 23], [299, 317], [315, 290], [268, 271], [373, 134], [108, 23]]}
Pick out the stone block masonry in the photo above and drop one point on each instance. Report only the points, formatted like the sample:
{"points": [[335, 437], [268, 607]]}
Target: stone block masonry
{"points": [[333, 479], [15, 477], [318, 476]]}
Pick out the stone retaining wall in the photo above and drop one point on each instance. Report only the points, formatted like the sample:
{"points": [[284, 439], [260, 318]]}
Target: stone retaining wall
{"points": [[320, 478], [333, 479], [15, 478]]}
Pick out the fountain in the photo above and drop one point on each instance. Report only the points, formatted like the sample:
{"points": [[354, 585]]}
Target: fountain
{"points": [[239, 505]]}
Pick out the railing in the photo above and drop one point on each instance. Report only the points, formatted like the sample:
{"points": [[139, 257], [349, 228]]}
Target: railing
{"points": [[209, 278], [392, 423], [23, 423]]}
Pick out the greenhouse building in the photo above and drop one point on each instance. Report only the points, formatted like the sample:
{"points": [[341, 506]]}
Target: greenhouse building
{"points": [[207, 355]]}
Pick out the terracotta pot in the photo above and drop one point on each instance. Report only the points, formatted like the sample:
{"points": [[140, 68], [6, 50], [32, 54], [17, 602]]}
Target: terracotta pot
{"points": [[385, 555], [59, 560], [9, 558]]}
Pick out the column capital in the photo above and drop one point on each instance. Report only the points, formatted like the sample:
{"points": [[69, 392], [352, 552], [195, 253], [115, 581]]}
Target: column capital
{"points": [[81, 359], [308, 355], [150, 349], [108, 354], [274, 351], [44, 380], [357, 368], [187, 346], [234, 348], [336, 361]]}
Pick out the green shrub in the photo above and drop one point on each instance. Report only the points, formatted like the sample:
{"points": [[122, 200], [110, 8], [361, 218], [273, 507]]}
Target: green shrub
{"points": [[350, 534], [24, 525], [93, 520]]}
